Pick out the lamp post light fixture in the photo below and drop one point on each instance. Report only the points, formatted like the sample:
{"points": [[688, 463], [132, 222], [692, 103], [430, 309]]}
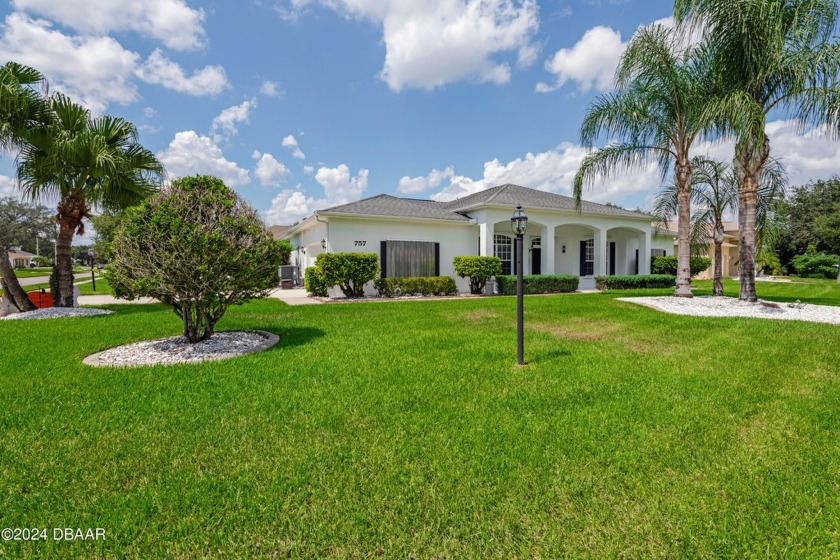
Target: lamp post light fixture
{"points": [[323, 244], [519, 224]]}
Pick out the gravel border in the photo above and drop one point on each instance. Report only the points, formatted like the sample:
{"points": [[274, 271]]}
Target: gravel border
{"points": [[710, 306], [176, 350], [57, 313]]}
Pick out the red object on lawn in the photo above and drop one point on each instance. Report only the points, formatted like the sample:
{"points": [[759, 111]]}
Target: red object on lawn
{"points": [[40, 299]]}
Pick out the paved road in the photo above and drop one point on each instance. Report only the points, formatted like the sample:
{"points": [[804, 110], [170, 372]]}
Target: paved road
{"points": [[34, 280]]}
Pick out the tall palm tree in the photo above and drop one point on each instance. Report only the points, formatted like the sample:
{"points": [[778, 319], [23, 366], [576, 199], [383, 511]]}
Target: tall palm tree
{"points": [[83, 162], [21, 104], [656, 113], [770, 56], [714, 195]]}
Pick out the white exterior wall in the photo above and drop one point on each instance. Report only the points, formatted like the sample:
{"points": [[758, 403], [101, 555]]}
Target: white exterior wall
{"points": [[365, 235], [665, 242], [556, 229]]}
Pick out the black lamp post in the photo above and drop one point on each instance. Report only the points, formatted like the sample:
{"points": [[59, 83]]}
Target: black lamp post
{"points": [[519, 224], [92, 274]]}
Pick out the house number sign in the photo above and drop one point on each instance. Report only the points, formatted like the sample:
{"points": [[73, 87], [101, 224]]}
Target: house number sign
{"points": [[360, 243]]}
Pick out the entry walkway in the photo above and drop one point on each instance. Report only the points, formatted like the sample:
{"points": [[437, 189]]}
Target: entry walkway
{"points": [[296, 296]]}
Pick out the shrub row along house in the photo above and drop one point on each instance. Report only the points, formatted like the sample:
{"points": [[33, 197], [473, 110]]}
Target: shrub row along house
{"points": [[421, 237]]}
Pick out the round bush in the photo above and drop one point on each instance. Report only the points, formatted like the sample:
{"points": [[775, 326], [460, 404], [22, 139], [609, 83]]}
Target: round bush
{"points": [[197, 247]]}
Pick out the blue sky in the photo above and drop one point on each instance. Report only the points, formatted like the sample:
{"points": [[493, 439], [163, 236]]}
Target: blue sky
{"points": [[302, 104]]}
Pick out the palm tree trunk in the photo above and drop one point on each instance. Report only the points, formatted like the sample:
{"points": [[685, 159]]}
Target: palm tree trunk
{"points": [[718, 291], [64, 266], [683, 181], [11, 286], [748, 167]]}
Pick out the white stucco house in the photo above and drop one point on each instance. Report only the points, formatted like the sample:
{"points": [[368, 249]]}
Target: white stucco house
{"points": [[421, 237]]}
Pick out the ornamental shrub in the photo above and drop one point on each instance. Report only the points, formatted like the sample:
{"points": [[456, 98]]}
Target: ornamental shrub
{"points": [[285, 250], [635, 282], [197, 247], [478, 269], [669, 265], [314, 282], [815, 265], [538, 284], [417, 285], [348, 271]]}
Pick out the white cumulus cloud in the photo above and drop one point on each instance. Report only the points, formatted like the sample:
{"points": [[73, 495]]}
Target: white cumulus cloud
{"points": [[158, 69], [271, 89], [591, 62], [432, 43], [409, 185], [8, 186], [95, 71], [189, 153], [226, 123], [269, 171], [291, 143], [339, 187], [172, 22]]}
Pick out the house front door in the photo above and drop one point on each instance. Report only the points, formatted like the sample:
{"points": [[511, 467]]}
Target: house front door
{"points": [[536, 261], [612, 259]]}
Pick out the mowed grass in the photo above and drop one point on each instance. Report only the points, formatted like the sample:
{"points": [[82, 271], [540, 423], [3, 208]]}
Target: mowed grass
{"points": [[403, 430], [807, 290]]}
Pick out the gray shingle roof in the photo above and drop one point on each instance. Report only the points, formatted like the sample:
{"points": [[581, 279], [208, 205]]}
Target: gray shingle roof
{"points": [[387, 205], [533, 198], [392, 206]]}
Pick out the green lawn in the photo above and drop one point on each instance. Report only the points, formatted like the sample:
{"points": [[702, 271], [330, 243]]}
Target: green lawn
{"points": [[102, 287], [32, 272], [403, 430], [821, 292]]}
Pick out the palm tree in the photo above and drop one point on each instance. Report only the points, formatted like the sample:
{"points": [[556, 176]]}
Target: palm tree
{"points": [[83, 162], [21, 103], [715, 194], [657, 114], [770, 56]]}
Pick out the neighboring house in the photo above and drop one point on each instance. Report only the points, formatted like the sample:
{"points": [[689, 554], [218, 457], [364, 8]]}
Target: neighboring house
{"points": [[421, 237], [729, 250], [20, 259]]}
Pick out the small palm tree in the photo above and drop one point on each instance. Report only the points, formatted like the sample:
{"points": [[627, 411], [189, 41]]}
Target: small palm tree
{"points": [[21, 104], [657, 114], [769, 56], [83, 162], [714, 195]]}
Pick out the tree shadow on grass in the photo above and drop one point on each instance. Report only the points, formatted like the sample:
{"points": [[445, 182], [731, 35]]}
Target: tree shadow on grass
{"points": [[120, 309], [289, 337]]}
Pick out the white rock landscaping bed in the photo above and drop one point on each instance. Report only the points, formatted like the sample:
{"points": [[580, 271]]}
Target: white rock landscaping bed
{"points": [[709, 306], [57, 313], [176, 350]]}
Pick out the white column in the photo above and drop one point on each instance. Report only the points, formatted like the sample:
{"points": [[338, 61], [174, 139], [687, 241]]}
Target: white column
{"points": [[644, 253], [548, 250], [486, 232], [600, 252]]}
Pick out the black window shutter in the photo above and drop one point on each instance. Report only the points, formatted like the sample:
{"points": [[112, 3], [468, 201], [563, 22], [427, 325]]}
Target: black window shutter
{"points": [[384, 258], [437, 259], [583, 258]]}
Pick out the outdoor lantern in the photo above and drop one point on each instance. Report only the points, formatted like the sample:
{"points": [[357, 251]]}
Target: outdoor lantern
{"points": [[564, 248], [323, 244], [519, 221]]}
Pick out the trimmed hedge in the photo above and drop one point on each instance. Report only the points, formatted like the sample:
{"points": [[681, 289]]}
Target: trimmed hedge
{"points": [[635, 282], [314, 282], [669, 265], [416, 285], [478, 269], [538, 284], [348, 271]]}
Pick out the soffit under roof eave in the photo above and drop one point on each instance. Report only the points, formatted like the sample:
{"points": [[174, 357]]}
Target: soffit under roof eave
{"points": [[467, 222], [563, 211]]}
